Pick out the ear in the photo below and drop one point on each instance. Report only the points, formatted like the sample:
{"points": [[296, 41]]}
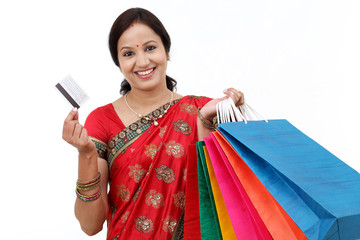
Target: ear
{"points": [[167, 56]]}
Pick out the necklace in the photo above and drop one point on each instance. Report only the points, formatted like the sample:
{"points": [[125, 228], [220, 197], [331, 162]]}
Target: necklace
{"points": [[154, 119]]}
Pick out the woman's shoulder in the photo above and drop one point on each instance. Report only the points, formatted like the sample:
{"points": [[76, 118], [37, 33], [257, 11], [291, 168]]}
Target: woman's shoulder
{"points": [[101, 115], [101, 111], [196, 100]]}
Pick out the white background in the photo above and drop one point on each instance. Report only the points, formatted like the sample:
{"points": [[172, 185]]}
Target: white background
{"points": [[297, 60]]}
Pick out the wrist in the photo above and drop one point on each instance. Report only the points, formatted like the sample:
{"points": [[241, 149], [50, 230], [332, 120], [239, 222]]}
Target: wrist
{"points": [[87, 159], [206, 115], [88, 166], [87, 153], [205, 121]]}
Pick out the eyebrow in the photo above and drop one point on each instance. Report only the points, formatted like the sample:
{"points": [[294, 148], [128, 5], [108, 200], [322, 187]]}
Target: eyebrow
{"points": [[143, 45]]}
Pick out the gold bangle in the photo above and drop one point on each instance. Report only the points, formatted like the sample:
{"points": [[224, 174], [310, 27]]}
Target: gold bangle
{"points": [[202, 119], [89, 198]]}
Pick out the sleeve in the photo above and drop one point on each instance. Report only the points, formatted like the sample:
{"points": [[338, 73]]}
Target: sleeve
{"points": [[201, 101], [95, 127]]}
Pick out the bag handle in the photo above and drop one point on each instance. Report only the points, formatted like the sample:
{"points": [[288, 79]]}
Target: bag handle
{"points": [[226, 111]]}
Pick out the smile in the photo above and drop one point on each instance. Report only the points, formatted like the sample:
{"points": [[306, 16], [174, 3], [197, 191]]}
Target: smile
{"points": [[144, 73]]}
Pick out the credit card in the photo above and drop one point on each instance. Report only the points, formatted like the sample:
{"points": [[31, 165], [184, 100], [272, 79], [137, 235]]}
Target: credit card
{"points": [[72, 92]]}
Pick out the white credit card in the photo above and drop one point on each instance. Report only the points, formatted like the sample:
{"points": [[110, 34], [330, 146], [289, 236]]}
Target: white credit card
{"points": [[72, 92]]}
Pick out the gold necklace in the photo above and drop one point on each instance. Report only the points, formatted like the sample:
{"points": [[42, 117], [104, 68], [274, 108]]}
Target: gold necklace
{"points": [[147, 118]]}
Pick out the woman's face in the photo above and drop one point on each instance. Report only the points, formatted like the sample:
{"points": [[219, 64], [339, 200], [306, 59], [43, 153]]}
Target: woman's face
{"points": [[142, 57]]}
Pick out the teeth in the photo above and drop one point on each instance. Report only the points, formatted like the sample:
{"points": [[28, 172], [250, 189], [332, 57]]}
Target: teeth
{"points": [[146, 72]]}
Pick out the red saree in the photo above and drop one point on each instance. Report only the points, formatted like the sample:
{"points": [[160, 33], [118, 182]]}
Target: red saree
{"points": [[147, 166]]}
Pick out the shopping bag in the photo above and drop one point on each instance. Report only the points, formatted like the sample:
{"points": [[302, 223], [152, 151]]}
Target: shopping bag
{"points": [[227, 230], [318, 191], [277, 221], [245, 220], [209, 224]]}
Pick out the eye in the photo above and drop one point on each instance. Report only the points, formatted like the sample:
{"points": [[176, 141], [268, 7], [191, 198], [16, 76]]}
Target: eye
{"points": [[150, 48], [128, 54]]}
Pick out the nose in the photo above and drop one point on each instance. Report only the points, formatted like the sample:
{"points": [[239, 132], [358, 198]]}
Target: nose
{"points": [[142, 60]]}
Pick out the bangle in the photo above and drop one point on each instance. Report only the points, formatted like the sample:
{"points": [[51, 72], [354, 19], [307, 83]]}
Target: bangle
{"points": [[89, 198], [210, 126], [88, 185]]}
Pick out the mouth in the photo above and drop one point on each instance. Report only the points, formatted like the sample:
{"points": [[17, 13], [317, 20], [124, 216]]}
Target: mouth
{"points": [[146, 73]]}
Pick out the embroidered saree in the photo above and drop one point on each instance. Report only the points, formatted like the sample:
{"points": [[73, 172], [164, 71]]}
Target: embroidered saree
{"points": [[147, 167]]}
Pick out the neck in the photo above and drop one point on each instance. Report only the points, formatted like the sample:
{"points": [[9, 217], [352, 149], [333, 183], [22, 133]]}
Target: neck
{"points": [[148, 99]]}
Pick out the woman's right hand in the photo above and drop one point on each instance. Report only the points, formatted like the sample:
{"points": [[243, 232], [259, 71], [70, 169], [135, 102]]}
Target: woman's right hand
{"points": [[75, 134]]}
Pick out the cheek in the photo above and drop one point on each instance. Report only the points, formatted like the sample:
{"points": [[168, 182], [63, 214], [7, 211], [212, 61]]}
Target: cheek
{"points": [[125, 66], [161, 58]]}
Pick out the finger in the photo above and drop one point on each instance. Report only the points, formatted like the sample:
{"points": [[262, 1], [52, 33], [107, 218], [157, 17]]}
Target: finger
{"points": [[77, 132], [69, 123], [68, 129], [239, 98], [230, 92], [233, 94], [73, 115], [236, 96], [84, 137]]}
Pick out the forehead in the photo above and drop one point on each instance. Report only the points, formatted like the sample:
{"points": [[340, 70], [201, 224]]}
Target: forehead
{"points": [[138, 33]]}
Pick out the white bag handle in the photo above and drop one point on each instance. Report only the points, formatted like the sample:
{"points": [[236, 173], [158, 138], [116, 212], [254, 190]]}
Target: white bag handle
{"points": [[226, 111]]}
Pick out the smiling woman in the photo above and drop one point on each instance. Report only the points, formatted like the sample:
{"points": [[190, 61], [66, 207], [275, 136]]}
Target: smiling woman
{"points": [[147, 62], [138, 145], [123, 23]]}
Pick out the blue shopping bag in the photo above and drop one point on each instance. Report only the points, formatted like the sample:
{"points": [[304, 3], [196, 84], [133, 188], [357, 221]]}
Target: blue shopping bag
{"points": [[318, 191]]}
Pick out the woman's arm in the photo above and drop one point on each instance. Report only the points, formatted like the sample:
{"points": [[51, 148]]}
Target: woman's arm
{"points": [[208, 111], [91, 214], [203, 131]]}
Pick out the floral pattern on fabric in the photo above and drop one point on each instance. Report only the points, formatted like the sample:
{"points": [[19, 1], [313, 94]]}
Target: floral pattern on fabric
{"points": [[151, 150], [182, 127], [164, 173], [195, 97], [179, 200], [175, 149], [188, 108], [136, 195], [169, 224], [125, 217], [101, 147], [148, 172], [136, 172], [162, 131], [154, 199], [144, 224], [116, 238], [161, 152], [123, 193]]}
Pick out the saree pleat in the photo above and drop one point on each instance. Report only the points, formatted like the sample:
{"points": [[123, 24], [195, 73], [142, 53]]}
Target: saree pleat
{"points": [[192, 214]]}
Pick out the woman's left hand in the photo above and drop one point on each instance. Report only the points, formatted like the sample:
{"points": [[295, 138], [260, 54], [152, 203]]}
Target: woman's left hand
{"points": [[208, 111]]}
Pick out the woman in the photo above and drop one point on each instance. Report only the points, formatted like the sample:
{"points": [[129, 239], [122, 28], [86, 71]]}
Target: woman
{"points": [[138, 144]]}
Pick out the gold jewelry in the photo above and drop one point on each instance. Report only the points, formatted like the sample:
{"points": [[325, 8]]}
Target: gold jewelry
{"points": [[88, 185], [87, 198], [211, 126], [147, 118]]}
